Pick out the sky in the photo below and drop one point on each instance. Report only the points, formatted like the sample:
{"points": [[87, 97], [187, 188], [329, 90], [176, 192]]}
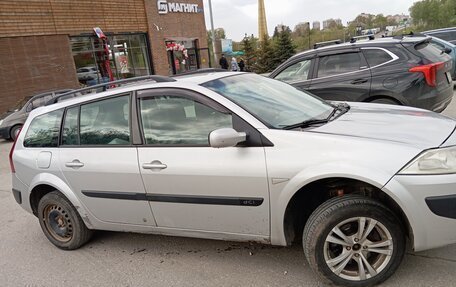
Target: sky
{"points": [[238, 17]]}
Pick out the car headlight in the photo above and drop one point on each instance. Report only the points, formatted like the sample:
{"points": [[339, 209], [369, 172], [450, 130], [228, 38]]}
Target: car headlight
{"points": [[434, 161]]}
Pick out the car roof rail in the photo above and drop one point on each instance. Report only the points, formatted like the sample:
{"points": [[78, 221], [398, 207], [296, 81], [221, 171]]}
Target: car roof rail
{"points": [[326, 43], [410, 34], [201, 71], [356, 38], [108, 85]]}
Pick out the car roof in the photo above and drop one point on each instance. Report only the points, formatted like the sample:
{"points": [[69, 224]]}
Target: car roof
{"points": [[440, 30], [368, 43], [183, 82]]}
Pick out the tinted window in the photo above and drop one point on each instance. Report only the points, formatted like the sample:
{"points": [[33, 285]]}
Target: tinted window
{"points": [[296, 72], [106, 122], [70, 133], [172, 120], [430, 52], [442, 35], [44, 130], [376, 57], [338, 64]]}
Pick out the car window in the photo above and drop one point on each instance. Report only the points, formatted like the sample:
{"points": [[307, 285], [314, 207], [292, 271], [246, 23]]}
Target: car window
{"points": [[70, 132], [429, 52], [38, 102], [442, 35], [44, 130], [376, 57], [296, 72], [174, 120], [437, 45], [338, 64], [106, 122]]}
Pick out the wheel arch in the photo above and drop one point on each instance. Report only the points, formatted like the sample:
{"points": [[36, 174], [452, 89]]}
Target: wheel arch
{"points": [[44, 183], [297, 205]]}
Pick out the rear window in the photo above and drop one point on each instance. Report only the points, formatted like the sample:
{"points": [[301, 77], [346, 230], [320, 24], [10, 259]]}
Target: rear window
{"points": [[44, 130], [376, 57], [429, 52]]}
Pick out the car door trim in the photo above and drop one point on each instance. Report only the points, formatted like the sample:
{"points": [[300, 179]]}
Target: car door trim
{"points": [[190, 199]]}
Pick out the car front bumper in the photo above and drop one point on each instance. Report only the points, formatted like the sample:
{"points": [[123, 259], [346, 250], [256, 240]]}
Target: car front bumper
{"points": [[4, 133], [417, 195]]}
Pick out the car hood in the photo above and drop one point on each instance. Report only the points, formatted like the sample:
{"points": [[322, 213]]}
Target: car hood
{"points": [[6, 114], [416, 127]]}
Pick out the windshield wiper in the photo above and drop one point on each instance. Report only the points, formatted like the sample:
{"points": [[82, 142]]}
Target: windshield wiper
{"points": [[341, 107]]}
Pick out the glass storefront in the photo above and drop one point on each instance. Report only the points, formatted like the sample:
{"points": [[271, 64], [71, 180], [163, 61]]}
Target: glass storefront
{"points": [[128, 57], [184, 56]]}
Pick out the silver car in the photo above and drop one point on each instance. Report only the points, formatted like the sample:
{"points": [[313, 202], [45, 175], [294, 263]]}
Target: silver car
{"points": [[237, 156]]}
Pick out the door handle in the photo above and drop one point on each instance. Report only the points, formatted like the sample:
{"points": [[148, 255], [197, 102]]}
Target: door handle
{"points": [[74, 164], [358, 81], [154, 165]]}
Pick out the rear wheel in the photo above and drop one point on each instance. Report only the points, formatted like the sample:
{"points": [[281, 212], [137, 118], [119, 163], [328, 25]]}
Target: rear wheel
{"points": [[14, 132], [353, 241], [61, 223]]}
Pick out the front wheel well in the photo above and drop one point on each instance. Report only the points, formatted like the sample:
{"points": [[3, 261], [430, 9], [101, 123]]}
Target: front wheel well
{"points": [[381, 97], [37, 193], [309, 197]]}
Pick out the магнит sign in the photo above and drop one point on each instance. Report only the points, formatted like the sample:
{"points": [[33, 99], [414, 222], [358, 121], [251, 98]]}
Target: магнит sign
{"points": [[164, 7]]}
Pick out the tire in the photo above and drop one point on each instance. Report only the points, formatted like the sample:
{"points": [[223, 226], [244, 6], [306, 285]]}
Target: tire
{"points": [[385, 101], [323, 243], [61, 223], [14, 132]]}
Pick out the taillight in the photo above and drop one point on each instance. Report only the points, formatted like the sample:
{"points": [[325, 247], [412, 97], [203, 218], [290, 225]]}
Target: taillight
{"points": [[429, 71], [13, 170]]}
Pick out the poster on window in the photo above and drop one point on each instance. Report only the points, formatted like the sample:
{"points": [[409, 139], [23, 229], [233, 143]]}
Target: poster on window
{"points": [[123, 62]]}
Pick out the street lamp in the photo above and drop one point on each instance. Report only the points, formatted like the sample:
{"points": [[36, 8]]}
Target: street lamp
{"points": [[213, 32], [308, 28]]}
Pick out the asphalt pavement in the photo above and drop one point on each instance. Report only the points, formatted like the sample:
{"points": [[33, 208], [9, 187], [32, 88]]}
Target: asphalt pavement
{"points": [[27, 258]]}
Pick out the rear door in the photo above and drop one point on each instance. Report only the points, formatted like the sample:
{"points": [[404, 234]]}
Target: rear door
{"points": [[341, 76], [100, 163], [191, 185]]}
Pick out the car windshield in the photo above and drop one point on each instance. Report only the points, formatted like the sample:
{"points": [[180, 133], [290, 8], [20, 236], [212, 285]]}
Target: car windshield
{"points": [[18, 105], [275, 103]]}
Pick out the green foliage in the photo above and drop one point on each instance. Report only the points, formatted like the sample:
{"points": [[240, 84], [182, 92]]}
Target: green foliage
{"points": [[265, 60], [433, 14], [284, 47], [249, 47]]}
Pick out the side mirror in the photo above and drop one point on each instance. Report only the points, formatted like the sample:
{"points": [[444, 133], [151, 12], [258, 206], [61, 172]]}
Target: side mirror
{"points": [[447, 50], [226, 137]]}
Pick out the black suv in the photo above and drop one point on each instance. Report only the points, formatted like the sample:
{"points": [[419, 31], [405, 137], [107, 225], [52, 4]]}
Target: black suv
{"points": [[403, 70], [447, 34]]}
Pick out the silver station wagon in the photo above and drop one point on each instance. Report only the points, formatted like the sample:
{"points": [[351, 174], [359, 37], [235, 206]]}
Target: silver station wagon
{"points": [[237, 156]]}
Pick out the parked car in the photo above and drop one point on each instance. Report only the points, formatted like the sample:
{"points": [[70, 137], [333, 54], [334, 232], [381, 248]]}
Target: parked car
{"points": [[238, 156], [404, 71], [11, 122], [447, 34]]}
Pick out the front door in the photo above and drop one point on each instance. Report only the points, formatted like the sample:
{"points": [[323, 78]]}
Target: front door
{"points": [[341, 77], [191, 185], [100, 164]]}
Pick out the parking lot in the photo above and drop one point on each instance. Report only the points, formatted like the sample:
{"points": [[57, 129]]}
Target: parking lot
{"points": [[27, 258]]}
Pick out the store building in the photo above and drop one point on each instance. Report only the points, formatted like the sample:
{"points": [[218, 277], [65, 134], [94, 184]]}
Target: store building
{"points": [[51, 44]]}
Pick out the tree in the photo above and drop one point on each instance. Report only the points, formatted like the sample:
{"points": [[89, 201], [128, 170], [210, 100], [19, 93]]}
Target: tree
{"points": [[265, 57], [432, 14], [284, 47], [249, 47]]}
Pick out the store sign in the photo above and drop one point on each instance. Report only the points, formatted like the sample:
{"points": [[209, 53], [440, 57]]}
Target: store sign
{"points": [[165, 7]]}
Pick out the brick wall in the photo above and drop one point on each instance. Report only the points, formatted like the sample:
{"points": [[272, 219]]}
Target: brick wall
{"points": [[30, 65], [49, 17], [171, 26]]}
